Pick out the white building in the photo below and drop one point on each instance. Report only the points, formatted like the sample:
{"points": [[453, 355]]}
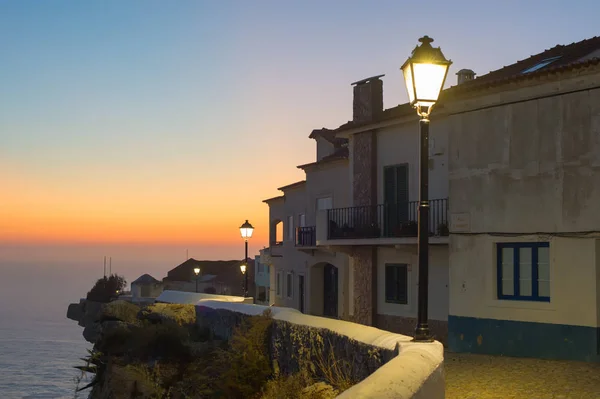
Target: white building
{"points": [[303, 276], [514, 261], [525, 188]]}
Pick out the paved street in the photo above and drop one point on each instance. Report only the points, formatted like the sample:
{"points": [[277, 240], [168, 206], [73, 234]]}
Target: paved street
{"points": [[486, 377]]}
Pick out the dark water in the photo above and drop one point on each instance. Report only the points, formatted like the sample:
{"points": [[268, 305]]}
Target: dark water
{"points": [[37, 357]]}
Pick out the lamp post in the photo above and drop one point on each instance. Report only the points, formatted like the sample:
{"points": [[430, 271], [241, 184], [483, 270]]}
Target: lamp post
{"points": [[197, 272], [246, 230], [424, 73]]}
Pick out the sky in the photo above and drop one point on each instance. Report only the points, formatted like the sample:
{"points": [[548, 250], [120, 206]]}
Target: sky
{"points": [[145, 130]]}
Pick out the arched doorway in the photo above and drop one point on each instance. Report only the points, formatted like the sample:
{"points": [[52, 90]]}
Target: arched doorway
{"points": [[330, 290]]}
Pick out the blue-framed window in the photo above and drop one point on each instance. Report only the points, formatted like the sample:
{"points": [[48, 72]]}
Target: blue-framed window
{"points": [[524, 271]]}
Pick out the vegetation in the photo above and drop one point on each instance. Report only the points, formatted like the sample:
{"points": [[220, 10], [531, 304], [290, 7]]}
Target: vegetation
{"points": [[163, 355], [107, 288]]}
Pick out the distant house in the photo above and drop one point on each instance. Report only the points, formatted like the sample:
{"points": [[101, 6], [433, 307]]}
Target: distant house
{"points": [[262, 281], [145, 286], [221, 277]]}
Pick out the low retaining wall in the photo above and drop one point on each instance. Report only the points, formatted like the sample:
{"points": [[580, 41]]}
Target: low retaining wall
{"points": [[191, 298], [389, 365]]}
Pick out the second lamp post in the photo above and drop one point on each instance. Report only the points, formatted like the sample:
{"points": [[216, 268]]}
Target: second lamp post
{"points": [[246, 230], [424, 73]]}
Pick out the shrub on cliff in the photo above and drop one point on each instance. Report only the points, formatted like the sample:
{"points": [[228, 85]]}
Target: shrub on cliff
{"points": [[107, 288], [244, 368], [120, 310]]}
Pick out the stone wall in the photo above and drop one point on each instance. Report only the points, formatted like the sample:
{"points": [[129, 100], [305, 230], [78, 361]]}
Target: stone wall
{"points": [[364, 168], [365, 285], [388, 365], [364, 193]]}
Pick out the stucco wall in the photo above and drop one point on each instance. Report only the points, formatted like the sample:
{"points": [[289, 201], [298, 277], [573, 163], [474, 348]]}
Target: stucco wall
{"points": [[438, 281], [399, 144], [328, 180], [532, 166], [573, 274], [525, 166]]}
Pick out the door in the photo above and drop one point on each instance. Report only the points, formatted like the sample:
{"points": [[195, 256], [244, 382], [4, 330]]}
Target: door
{"points": [[395, 192], [301, 292], [330, 291]]}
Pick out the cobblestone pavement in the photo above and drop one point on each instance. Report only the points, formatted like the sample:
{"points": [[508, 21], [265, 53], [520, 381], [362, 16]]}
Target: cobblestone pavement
{"points": [[486, 377]]}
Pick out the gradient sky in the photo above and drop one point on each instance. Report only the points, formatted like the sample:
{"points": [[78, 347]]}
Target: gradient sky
{"points": [[140, 129]]}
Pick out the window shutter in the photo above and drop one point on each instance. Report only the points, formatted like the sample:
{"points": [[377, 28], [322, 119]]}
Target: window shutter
{"points": [[389, 283], [402, 284], [389, 185]]}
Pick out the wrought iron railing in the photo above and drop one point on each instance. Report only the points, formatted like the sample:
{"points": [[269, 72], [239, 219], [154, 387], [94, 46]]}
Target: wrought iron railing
{"points": [[306, 236], [386, 220]]}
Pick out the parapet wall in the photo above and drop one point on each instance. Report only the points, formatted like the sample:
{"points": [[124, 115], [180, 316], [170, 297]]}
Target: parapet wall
{"points": [[388, 365]]}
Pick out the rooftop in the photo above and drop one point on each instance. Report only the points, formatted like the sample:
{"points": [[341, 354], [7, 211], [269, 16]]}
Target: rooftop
{"points": [[558, 59]]}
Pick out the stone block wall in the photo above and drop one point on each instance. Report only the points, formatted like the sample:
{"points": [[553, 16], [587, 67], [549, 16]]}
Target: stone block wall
{"points": [[386, 364], [293, 343], [365, 285], [364, 168]]}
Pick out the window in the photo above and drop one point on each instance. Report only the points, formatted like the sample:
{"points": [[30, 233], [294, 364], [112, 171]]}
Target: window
{"points": [[396, 283], [278, 284], [540, 64], [290, 228], [524, 271], [289, 286], [324, 203], [301, 220]]}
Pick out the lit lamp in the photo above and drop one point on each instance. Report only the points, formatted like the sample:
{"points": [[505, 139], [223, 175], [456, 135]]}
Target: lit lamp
{"points": [[196, 272], [246, 230], [424, 73]]}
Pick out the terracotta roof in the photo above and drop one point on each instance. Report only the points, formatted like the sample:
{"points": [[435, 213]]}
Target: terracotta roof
{"points": [[293, 185], [273, 199], [339, 153], [227, 272], [558, 59]]}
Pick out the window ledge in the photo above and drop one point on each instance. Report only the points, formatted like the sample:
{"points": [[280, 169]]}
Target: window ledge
{"points": [[514, 304]]}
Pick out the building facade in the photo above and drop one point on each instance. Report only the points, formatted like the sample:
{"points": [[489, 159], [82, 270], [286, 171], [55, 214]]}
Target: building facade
{"points": [[514, 166], [525, 184]]}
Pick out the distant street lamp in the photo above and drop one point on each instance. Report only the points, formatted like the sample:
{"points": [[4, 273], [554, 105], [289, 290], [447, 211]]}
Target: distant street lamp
{"points": [[197, 272], [246, 230], [424, 73]]}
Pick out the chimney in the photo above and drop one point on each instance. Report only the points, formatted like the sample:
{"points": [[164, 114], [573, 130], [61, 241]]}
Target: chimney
{"points": [[465, 75], [368, 99]]}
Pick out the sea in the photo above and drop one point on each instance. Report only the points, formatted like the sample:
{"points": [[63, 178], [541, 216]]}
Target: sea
{"points": [[37, 358], [39, 346]]}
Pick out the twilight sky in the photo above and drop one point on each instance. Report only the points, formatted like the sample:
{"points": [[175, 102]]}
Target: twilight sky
{"points": [[140, 129]]}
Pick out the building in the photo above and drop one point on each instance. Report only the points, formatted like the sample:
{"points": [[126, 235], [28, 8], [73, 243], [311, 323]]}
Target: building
{"points": [[222, 277], [524, 169], [514, 236], [145, 286], [304, 276], [262, 281]]}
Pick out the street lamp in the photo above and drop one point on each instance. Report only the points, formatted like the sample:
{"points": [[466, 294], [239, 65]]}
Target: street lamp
{"points": [[424, 73], [243, 269], [197, 272], [246, 230]]}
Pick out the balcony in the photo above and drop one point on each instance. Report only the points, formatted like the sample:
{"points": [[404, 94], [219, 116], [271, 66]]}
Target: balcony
{"points": [[385, 220], [306, 236]]}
